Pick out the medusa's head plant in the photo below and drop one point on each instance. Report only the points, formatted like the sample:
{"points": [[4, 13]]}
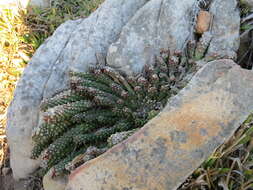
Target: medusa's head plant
{"points": [[100, 103]]}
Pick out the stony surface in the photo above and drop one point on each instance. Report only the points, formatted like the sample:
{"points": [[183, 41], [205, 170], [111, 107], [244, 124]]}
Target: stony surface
{"points": [[171, 146], [148, 26], [57, 183], [225, 29], [74, 44], [167, 26], [203, 22]]}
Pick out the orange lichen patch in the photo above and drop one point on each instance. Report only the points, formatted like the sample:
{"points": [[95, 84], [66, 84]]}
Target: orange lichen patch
{"points": [[198, 123]]}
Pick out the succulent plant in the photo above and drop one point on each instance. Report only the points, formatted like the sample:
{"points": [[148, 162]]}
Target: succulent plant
{"points": [[100, 103]]}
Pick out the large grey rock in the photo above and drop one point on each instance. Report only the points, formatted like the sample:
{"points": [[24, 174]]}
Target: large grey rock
{"points": [[75, 45], [225, 29], [160, 24], [170, 147]]}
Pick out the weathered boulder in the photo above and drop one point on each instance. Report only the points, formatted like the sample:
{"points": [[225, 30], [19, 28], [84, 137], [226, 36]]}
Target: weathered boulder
{"points": [[225, 29], [160, 24], [171, 146], [75, 44]]}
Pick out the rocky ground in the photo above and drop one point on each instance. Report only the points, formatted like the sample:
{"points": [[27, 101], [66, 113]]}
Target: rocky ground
{"points": [[122, 48]]}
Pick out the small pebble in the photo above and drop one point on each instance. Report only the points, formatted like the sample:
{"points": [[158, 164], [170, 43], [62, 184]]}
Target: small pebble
{"points": [[203, 22]]}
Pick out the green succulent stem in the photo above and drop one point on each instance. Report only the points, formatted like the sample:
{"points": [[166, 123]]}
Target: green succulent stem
{"points": [[100, 103]]}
